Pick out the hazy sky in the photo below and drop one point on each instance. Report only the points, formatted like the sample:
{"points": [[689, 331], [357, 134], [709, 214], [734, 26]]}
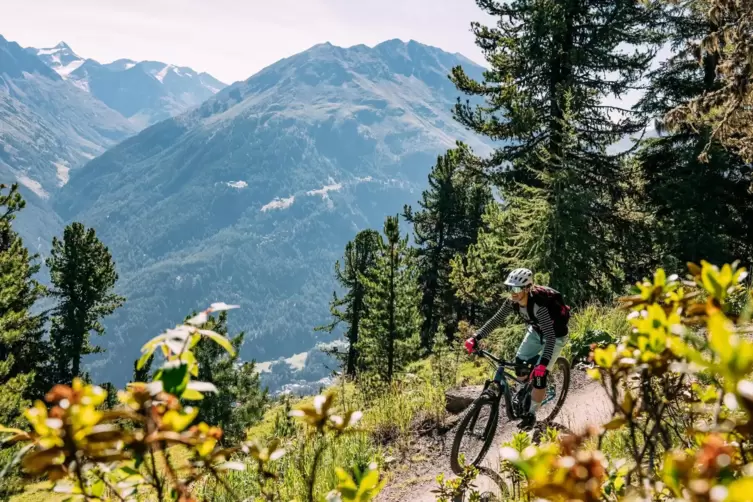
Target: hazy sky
{"points": [[233, 39]]}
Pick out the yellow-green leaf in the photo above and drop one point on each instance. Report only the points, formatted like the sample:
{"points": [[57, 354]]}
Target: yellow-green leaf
{"points": [[594, 373], [97, 489], [720, 329], [740, 490], [615, 423], [219, 339], [192, 395], [11, 430], [177, 421], [627, 403], [146, 355]]}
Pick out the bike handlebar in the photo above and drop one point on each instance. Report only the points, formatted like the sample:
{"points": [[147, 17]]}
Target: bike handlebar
{"points": [[498, 361]]}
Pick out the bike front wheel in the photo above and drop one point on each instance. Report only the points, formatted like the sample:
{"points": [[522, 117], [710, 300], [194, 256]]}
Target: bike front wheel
{"points": [[479, 425], [558, 383]]}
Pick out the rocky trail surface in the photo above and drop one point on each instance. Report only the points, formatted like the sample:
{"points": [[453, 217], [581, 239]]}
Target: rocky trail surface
{"points": [[415, 479]]}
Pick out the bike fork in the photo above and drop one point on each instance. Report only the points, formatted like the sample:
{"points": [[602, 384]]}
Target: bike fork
{"points": [[551, 391], [497, 392]]}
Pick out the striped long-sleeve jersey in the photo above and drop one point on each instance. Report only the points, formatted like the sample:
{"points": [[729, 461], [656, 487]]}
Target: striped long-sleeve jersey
{"points": [[541, 323]]}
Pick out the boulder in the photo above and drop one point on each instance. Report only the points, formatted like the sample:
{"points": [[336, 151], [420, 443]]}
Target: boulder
{"points": [[457, 400]]}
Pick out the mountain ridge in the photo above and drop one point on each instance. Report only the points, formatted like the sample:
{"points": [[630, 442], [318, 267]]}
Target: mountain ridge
{"points": [[48, 128], [250, 197], [143, 91]]}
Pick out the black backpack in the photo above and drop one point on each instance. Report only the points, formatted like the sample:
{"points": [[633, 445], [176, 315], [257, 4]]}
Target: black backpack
{"points": [[552, 299]]}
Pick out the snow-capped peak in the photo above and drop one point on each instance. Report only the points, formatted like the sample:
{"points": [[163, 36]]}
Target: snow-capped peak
{"points": [[163, 73], [62, 46], [47, 52], [61, 58], [66, 70]]}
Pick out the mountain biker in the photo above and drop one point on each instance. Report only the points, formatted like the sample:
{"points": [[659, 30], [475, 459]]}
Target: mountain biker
{"points": [[547, 317]]}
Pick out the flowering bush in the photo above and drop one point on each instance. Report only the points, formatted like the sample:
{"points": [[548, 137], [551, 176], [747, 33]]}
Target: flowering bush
{"points": [[126, 453], [681, 392]]}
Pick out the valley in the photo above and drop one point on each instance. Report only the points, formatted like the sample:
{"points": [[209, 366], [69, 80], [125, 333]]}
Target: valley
{"points": [[251, 195]]}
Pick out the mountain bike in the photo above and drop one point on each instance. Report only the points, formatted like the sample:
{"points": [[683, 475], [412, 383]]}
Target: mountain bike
{"points": [[517, 394]]}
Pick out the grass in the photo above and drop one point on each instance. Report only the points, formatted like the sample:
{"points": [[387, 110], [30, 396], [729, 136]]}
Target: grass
{"points": [[392, 415], [38, 492], [588, 323]]}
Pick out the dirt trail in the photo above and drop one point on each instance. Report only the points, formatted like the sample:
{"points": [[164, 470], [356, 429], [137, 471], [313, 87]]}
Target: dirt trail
{"points": [[586, 404]]}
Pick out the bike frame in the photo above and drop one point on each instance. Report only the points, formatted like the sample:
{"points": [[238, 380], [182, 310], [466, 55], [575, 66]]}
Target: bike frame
{"points": [[501, 378]]}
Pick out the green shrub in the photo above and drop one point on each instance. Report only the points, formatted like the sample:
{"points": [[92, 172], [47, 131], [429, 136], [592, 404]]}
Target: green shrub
{"points": [[682, 425], [150, 446], [594, 324]]}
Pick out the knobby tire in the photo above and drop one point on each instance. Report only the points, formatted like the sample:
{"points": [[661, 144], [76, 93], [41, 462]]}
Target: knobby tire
{"points": [[561, 361], [489, 432]]}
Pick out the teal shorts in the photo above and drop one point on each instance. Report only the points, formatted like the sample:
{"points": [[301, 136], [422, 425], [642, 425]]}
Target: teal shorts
{"points": [[532, 347]]}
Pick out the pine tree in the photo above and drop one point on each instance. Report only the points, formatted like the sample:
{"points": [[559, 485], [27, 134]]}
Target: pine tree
{"points": [[552, 65], [444, 359], [112, 396], [478, 276], [447, 223], [284, 426], [83, 277], [142, 374], [476, 197], [358, 260], [726, 111], [704, 209], [22, 350], [390, 332], [434, 227], [239, 401]]}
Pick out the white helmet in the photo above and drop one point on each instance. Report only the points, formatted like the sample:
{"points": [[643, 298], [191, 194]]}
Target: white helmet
{"points": [[520, 277]]}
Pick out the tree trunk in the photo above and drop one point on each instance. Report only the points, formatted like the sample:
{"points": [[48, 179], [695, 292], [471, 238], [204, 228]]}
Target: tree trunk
{"points": [[353, 338], [431, 291], [560, 75]]}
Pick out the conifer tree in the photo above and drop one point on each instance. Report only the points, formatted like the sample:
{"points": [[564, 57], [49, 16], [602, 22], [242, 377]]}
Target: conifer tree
{"points": [[703, 208], [112, 396], [390, 332], [239, 401], [83, 277], [444, 360], [447, 223], [726, 111], [142, 374], [552, 66], [434, 227], [22, 351], [358, 260]]}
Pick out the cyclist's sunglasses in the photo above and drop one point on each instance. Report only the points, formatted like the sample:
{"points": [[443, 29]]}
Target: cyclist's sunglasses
{"points": [[516, 289]]}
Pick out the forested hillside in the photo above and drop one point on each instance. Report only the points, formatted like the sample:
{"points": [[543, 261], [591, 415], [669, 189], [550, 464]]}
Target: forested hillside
{"points": [[252, 196]]}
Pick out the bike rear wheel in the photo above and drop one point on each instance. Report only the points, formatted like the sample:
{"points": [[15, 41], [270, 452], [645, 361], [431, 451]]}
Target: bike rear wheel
{"points": [[558, 383], [480, 422]]}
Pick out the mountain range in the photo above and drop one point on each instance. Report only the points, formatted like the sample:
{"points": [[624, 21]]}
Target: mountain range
{"points": [[145, 92], [59, 111], [250, 197], [47, 127]]}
